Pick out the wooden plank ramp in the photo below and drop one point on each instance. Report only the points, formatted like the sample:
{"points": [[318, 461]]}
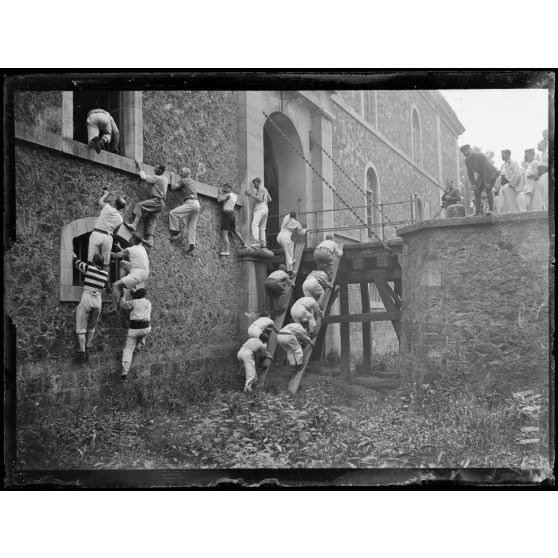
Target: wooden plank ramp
{"points": [[307, 352]]}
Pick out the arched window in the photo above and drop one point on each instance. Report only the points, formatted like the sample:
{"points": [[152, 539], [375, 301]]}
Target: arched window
{"points": [[75, 239], [417, 138], [372, 201]]}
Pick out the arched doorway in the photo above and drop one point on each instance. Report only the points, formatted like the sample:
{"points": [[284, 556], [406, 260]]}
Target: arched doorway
{"points": [[284, 173]]}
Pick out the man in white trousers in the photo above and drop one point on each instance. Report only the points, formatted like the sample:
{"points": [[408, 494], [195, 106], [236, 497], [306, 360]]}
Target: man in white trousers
{"points": [[252, 352], [138, 328], [292, 339], [264, 324], [259, 220], [284, 238], [188, 211], [306, 309]]}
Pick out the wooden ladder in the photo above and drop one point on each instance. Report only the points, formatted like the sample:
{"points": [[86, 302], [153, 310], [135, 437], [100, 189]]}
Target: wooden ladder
{"points": [[280, 318], [329, 298]]}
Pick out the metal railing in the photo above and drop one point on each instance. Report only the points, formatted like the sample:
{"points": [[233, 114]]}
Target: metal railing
{"points": [[323, 221]]}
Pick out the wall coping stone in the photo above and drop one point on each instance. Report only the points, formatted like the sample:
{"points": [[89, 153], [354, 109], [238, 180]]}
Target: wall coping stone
{"points": [[483, 220], [56, 142]]}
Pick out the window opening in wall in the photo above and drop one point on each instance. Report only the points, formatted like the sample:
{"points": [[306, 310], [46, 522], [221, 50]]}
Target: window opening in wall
{"points": [[369, 107], [417, 139], [81, 248], [84, 101]]}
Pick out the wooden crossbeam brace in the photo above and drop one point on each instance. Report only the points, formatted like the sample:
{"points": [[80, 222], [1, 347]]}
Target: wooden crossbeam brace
{"points": [[391, 305], [371, 317], [369, 275]]}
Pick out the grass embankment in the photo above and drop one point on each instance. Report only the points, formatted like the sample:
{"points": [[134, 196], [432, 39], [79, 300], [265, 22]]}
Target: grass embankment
{"points": [[442, 424]]}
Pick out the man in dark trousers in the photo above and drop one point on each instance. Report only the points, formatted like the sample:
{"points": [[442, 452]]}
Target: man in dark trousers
{"points": [[482, 176]]}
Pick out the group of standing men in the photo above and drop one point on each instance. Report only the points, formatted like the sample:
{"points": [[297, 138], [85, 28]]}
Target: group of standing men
{"points": [[517, 188]]}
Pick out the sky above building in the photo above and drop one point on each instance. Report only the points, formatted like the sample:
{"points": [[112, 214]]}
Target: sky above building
{"points": [[496, 119]]}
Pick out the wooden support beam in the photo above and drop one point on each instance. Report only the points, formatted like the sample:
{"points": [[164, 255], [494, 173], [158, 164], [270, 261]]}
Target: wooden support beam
{"points": [[390, 304], [345, 332], [393, 295], [350, 318], [366, 329], [368, 275], [317, 353]]}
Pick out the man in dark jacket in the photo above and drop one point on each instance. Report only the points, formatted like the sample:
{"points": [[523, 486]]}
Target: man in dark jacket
{"points": [[482, 176]]}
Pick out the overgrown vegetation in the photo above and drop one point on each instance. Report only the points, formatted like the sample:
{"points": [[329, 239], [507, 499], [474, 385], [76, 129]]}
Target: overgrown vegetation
{"points": [[446, 423]]}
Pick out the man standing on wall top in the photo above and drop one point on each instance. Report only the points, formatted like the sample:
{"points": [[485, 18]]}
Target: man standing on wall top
{"points": [[530, 183], [485, 177], [102, 132], [91, 303], [188, 211], [259, 220], [542, 169], [153, 205], [137, 269], [100, 240], [228, 198], [511, 177], [284, 238]]}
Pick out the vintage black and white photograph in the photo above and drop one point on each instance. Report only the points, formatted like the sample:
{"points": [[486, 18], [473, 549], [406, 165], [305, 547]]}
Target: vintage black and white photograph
{"points": [[247, 275]]}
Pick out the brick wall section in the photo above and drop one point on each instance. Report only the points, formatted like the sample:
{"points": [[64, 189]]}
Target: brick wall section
{"points": [[476, 296], [190, 127], [39, 108], [197, 300]]}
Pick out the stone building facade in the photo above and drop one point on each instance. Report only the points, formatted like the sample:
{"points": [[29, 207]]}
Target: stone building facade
{"points": [[404, 142]]}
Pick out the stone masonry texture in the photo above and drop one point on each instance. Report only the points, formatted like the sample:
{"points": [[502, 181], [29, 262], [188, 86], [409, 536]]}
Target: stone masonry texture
{"points": [[476, 297], [184, 128], [197, 299], [39, 108]]}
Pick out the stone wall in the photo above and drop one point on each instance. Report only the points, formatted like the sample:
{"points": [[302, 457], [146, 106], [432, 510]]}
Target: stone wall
{"points": [[476, 296], [198, 300], [39, 108], [190, 127], [354, 146]]}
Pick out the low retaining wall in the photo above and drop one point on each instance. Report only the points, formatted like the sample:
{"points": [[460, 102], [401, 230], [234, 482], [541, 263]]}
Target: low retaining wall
{"points": [[67, 382], [476, 296]]}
